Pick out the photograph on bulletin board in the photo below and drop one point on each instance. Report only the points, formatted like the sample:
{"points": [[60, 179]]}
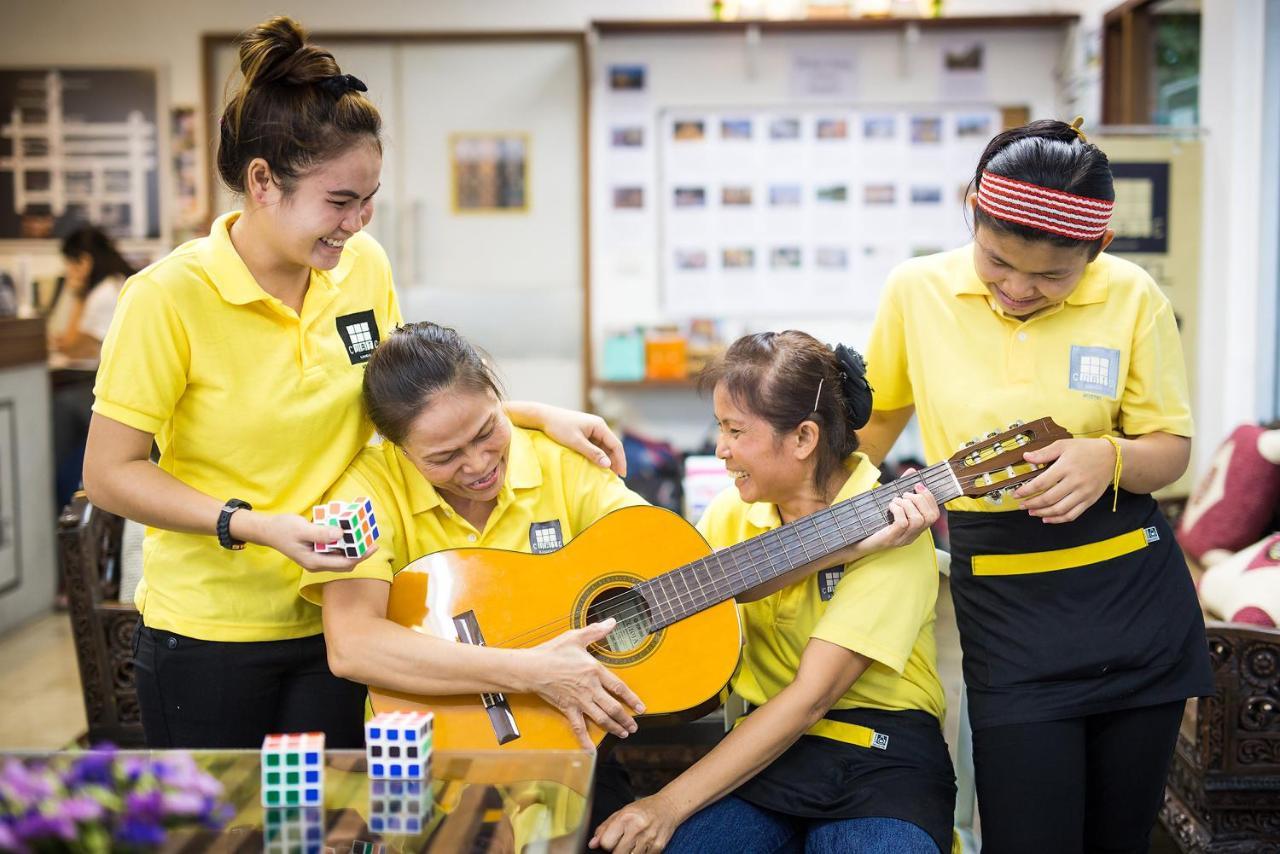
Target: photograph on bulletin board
{"points": [[79, 146], [745, 231], [490, 172]]}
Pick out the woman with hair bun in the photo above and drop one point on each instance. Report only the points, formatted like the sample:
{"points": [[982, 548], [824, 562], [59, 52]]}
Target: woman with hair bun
{"points": [[1078, 620], [241, 355], [842, 749]]}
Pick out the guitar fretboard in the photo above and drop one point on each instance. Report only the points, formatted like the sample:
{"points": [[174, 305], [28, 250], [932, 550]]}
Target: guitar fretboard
{"points": [[696, 586]]}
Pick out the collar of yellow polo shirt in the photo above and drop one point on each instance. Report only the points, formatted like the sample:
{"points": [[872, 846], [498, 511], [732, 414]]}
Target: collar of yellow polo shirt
{"points": [[550, 494], [940, 342], [246, 399], [882, 607]]}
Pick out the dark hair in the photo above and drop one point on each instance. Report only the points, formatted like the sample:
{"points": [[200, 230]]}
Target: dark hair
{"points": [[413, 364], [1051, 154], [288, 110], [790, 377], [106, 259]]}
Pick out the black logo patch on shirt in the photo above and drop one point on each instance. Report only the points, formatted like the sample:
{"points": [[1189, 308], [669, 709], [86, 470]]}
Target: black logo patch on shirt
{"points": [[827, 581], [545, 537], [359, 332]]}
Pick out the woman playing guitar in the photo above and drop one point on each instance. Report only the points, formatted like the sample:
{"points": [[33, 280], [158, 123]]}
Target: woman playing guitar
{"points": [[453, 472], [843, 748]]}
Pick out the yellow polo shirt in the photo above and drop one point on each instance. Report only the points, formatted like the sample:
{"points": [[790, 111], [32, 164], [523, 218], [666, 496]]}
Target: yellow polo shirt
{"points": [[882, 607], [550, 495], [1107, 360], [246, 399]]}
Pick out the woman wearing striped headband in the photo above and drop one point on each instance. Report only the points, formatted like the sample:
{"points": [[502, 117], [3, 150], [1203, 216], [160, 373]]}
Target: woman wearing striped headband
{"points": [[1078, 620]]}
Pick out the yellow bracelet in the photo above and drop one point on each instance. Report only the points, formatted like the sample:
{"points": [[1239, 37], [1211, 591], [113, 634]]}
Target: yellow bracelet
{"points": [[1115, 477]]}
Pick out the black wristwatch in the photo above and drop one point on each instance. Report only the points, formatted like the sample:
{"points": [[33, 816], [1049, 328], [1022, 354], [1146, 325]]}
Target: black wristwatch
{"points": [[224, 523]]}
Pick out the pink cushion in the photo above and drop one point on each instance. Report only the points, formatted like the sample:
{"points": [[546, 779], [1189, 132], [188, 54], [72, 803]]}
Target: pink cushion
{"points": [[1245, 588], [1232, 505]]}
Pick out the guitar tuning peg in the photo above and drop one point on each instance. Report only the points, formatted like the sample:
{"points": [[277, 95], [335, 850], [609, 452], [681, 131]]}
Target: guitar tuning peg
{"points": [[996, 497], [1015, 425], [993, 434], [975, 440]]}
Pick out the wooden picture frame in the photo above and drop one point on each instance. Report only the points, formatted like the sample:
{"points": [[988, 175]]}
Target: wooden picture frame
{"points": [[489, 172]]}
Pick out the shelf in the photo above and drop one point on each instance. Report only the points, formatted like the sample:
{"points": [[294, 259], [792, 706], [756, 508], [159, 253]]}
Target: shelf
{"points": [[696, 26]]}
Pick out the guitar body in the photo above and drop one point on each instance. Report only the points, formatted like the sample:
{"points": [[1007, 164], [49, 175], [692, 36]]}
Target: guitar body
{"points": [[522, 600]]}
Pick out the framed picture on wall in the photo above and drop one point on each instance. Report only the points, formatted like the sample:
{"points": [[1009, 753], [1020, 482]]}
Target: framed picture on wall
{"points": [[79, 145], [188, 178], [490, 172]]}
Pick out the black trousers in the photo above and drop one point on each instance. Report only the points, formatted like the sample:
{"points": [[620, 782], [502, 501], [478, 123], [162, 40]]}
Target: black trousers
{"points": [[213, 694], [72, 402], [1089, 784]]}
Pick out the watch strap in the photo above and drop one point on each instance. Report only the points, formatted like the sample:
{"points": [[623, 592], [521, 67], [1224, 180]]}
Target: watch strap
{"points": [[224, 523]]}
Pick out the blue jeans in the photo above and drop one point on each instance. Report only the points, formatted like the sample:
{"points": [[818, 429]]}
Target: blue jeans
{"points": [[732, 824]]}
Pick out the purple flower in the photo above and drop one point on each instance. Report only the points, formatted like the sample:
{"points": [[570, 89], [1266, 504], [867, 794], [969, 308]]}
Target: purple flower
{"points": [[93, 767], [35, 826], [82, 808], [24, 786], [183, 803], [145, 805], [137, 831], [9, 840]]}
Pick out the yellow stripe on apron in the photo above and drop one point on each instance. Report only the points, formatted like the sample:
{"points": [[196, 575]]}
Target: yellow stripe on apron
{"points": [[846, 733], [1055, 560]]}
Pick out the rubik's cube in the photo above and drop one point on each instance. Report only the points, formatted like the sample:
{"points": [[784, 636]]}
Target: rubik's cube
{"points": [[398, 745], [354, 519], [293, 770], [399, 806], [293, 830]]}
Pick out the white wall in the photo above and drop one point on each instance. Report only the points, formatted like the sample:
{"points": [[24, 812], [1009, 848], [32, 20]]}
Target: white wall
{"points": [[1239, 218], [167, 33]]}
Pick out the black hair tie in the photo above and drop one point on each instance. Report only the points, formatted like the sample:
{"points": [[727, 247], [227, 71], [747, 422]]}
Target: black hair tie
{"points": [[340, 84], [853, 381]]}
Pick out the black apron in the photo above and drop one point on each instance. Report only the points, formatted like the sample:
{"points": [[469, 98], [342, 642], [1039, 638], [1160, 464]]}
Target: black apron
{"points": [[908, 777], [1112, 624]]}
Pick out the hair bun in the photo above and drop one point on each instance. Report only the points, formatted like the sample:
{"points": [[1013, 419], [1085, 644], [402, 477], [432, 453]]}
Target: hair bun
{"points": [[853, 381], [276, 51]]}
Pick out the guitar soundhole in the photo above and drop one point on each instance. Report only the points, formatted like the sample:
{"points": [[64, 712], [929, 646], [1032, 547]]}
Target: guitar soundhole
{"points": [[630, 610]]}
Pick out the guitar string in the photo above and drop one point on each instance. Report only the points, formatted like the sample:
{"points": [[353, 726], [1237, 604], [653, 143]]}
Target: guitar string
{"points": [[743, 566], [843, 508], [681, 602], [934, 476]]}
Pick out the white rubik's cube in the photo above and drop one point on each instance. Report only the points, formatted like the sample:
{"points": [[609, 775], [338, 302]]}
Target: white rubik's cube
{"points": [[293, 830], [293, 770], [399, 806], [354, 519], [398, 745]]}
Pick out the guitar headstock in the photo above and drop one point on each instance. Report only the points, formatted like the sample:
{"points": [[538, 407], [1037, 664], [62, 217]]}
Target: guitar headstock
{"points": [[993, 465]]}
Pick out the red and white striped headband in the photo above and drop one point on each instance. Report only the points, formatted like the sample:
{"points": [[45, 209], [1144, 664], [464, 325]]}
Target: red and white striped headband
{"points": [[1037, 207]]}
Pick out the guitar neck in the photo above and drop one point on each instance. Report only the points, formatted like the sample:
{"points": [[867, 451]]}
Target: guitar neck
{"points": [[696, 586]]}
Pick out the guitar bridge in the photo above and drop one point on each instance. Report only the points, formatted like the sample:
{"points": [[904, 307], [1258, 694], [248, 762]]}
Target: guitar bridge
{"points": [[495, 704]]}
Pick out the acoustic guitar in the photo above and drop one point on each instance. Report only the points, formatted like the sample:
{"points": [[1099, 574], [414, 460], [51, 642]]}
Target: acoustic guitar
{"points": [[677, 639]]}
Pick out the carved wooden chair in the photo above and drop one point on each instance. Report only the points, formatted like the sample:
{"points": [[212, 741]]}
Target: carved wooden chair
{"points": [[89, 550], [1223, 791]]}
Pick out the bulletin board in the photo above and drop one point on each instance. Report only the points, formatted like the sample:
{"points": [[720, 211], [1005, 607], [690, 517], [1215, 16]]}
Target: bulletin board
{"points": [[761, 210], [772, 174]]}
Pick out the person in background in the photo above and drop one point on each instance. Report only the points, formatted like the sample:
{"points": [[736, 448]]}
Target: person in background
{"points": [[77, 324]]}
